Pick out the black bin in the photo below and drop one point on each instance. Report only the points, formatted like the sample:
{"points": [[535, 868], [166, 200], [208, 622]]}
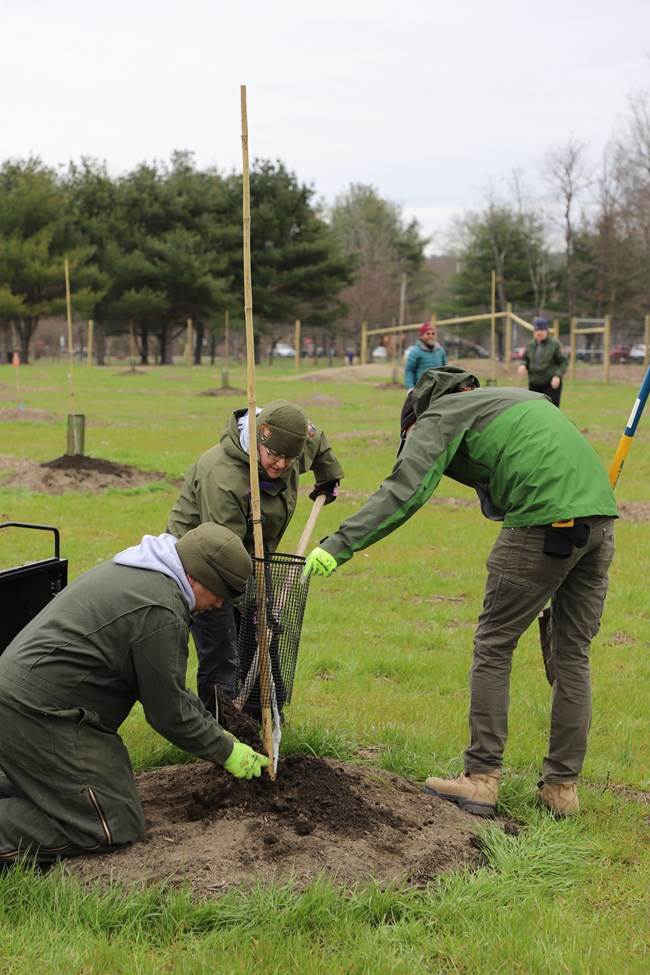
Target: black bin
{"points": [[26, 589]]}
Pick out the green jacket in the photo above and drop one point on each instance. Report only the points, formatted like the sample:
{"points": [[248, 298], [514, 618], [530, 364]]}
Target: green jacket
{"points": [[525, 458], [550, 362], [217, 487], [114, 636]]}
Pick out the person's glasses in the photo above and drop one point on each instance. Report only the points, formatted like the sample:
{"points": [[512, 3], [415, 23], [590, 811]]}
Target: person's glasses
{"points": [[276, 458]]}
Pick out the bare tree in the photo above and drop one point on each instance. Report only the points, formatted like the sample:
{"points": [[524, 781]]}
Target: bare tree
{"points": [[533, 233], [566, 173]]}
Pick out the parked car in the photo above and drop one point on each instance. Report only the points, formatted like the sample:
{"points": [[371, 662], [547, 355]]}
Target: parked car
{"points": [[518, 353], [284, 351], [407, 351], [637, 353], [619, 353], [380, 353]]}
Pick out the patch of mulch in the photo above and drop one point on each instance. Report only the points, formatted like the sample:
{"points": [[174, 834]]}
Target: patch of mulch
{"points": [[223, 391]]}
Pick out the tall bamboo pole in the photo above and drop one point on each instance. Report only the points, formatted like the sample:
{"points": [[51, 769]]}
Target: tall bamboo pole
{"points": [[70, 349], [256, 515]]}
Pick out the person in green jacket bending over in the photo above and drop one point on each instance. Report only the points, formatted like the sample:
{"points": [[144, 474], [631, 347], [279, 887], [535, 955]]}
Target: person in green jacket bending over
{"points": [[217, 489], [534, 471], [544, 362], [116, 635]]}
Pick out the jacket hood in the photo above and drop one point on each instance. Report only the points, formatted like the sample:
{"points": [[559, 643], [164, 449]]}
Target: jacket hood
{"points": [[434, 383]]}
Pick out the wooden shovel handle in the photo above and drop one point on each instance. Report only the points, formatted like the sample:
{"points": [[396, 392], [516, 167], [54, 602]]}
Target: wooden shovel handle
{"points": [[311, 524]]}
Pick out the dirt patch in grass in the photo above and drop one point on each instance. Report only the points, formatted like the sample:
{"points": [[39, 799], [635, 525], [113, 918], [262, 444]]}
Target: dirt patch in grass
{"points": [[68, 473], [224, 391], [207, 831]]}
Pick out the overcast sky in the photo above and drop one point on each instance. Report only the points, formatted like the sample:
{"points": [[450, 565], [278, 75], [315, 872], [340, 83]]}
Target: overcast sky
{"points": [[427, 101]]}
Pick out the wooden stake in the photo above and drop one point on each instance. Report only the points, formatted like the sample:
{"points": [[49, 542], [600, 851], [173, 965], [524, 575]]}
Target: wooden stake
{"points": [[262, 632]]}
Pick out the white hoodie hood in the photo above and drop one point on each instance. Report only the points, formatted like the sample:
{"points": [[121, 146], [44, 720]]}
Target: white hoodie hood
{"points": [[158, 553]]}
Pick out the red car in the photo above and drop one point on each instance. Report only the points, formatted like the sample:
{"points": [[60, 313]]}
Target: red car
{"points": [[619, 353]]}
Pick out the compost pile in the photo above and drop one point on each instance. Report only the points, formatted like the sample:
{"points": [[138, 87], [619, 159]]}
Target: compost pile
{"points": [[208, 831]]}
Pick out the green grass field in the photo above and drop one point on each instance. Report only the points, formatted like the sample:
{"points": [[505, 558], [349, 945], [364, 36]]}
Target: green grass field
{"points": [[385, 651]]}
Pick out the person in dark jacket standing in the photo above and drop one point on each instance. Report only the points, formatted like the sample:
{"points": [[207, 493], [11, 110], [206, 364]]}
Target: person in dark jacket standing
{"points": [[544, 362], [533, 470], [116, 635], [217, 489], [427, 353]]}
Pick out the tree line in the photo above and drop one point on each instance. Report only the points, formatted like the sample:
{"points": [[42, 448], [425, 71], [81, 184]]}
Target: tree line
{"points": [[162, 244], [579, 248]]}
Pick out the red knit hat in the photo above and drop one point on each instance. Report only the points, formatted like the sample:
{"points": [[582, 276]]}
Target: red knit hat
{"points": [[425, 328]]}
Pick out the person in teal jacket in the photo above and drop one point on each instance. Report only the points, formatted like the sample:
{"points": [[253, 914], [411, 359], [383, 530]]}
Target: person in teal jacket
{"points": [[536, 473], [427, 353], [116, 635]]}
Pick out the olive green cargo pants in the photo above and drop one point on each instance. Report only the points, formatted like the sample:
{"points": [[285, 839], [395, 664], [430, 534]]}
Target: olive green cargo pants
{"points": [[66, 785], [521, 580]]}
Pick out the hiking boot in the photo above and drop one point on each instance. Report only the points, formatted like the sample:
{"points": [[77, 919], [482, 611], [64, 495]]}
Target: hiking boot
{"points": [[561, 799], [475, 792]]}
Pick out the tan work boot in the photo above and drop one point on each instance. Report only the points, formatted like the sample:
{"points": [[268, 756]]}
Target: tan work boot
{"points": [[561, 799], [475, 792]]}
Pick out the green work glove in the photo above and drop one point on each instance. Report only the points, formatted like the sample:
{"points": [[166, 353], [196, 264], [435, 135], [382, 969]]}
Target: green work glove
{"points": [[244, 763], [319, 563]]}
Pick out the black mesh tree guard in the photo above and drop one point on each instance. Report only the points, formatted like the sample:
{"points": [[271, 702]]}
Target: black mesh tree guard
{"points": [[285, 591]]}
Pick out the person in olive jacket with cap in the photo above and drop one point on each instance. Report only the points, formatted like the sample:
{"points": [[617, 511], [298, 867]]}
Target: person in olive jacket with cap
{"points": [[217, 489], [116, 635], [544, 362]]}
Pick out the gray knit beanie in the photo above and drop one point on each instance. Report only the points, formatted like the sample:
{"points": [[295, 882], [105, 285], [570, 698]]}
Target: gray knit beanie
{"points": [[215, 557], [282, 427]]}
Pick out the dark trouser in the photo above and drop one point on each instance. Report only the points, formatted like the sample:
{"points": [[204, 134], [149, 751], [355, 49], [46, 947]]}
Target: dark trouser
{"points": [[215, 638], [521, 580], [66, 785], [547, 389]]}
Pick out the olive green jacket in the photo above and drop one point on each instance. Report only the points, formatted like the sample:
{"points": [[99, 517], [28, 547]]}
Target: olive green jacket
{"points": [[527, 461], [114, 636], [550, 362], [217, 487]]}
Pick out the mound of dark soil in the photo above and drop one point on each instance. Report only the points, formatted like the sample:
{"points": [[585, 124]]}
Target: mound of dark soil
{"points": [[224, 391], [73, 473], [208, 831]]}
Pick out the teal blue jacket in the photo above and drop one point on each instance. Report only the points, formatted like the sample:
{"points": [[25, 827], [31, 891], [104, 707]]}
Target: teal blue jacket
{"points": [[526, 459], [421, 358]]}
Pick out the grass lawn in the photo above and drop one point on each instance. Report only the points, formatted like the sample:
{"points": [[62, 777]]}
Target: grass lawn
{"points": [[386, 647]]}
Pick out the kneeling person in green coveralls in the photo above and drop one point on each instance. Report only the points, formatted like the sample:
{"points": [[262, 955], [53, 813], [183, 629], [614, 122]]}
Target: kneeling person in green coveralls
{"points": [[116, 635], [534, 471]]}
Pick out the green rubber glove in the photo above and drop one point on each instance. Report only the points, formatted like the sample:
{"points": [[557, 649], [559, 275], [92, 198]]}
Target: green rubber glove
{"points": [[244, 763], [319, 563]]}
